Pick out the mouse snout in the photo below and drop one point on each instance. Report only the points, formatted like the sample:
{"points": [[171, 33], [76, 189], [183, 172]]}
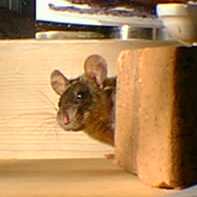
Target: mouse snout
{"points": [[69, 118], [65, 119]]}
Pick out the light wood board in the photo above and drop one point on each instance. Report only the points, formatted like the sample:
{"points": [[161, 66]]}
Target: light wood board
{"points": [[70, 178], [28, 128]]}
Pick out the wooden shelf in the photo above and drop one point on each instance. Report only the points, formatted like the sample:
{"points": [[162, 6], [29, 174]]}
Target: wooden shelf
{"points": [[70, 178]]}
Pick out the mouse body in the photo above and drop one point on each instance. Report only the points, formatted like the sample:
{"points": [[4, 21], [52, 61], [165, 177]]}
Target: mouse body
{"points": [[87, 102]]}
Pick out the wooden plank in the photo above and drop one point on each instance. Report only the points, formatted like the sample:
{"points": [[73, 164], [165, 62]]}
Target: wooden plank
{"points": [[28, 127], [72, 178]]}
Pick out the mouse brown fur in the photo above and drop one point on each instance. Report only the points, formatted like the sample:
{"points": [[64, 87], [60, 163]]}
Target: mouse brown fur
{"points": [[87, 102]]}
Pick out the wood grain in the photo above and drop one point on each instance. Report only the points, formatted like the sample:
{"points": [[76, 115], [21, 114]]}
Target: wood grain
{"points": [[28, 127], [27, 103], [72, 178]]}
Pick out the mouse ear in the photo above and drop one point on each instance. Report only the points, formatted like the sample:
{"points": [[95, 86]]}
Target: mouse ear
{"points": [[59, 82], [95, 68]]}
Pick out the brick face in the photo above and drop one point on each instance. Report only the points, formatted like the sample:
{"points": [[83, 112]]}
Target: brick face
{"points": [[156, 115]]}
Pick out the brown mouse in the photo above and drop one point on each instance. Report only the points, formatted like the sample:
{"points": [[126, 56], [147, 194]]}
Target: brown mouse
{"points": [[87, 102]]}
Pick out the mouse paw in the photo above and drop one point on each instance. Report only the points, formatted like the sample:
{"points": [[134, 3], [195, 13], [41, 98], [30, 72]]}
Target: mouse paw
{"points": [[110, 156]]}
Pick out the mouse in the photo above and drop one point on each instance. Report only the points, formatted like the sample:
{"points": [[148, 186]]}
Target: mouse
{"points": [[87, 102]]}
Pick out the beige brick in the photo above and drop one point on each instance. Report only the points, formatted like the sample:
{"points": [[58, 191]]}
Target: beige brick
{"points": [[156, 115]]}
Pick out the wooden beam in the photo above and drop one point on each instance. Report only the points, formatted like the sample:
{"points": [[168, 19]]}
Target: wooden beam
{"points": [[71, 177]]}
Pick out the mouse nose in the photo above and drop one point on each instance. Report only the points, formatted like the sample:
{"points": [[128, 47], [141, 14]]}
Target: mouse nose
{"points": [[65, 119]]}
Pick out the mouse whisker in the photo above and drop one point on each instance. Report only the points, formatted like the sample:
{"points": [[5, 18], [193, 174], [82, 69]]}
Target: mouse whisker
{"points": [[45, 125], [50, 118], [7, 118], [49, 100]]}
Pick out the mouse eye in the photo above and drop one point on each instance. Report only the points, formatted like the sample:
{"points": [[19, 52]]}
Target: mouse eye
{"points": [[80, 96]]}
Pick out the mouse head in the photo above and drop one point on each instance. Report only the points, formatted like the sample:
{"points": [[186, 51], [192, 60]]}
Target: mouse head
{"points": [[80, 95]]}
